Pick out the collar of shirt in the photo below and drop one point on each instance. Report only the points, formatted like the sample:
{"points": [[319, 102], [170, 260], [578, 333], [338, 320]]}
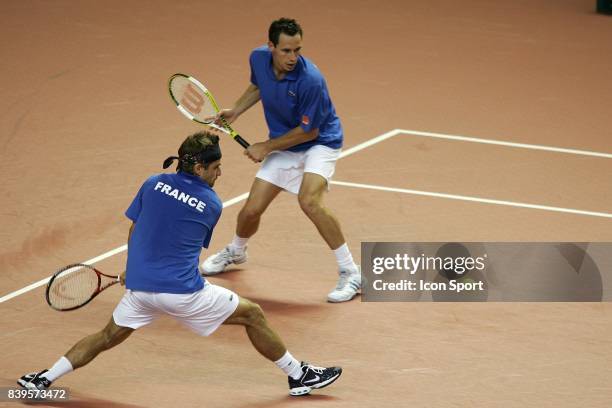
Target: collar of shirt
{"points": [[191, 178]]}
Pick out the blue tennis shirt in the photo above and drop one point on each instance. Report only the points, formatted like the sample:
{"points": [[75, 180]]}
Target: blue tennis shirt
{"points": [[301, 99], [174, 216]]}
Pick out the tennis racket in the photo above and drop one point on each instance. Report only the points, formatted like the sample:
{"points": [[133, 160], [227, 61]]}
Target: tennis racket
{"points": [[76, 285], [197, 103]]}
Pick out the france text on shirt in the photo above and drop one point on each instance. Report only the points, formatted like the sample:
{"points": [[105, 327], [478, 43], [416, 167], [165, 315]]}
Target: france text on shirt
{"points": [[180, 196]]}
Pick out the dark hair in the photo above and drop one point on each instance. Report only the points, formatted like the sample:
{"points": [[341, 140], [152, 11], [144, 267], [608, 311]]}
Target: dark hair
{"points": [[191, 148], [283, 25]]}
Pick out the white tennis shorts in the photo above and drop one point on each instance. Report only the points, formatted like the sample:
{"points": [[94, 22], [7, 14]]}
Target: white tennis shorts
{"points": [[286, 169], [203, 311]]}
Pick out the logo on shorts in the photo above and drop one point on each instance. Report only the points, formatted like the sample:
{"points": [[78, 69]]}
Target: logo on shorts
{"points": [[291, 93], [305, 120]]}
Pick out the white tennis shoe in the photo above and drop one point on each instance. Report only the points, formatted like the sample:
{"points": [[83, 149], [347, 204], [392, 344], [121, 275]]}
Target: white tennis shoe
{"points": [[349, 284], [218, 262]]}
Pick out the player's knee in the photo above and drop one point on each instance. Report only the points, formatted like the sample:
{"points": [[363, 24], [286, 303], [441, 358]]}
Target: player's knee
{"points": [[107, 338], [113, 336], [255, 315], [309, 204], [250, 213]]}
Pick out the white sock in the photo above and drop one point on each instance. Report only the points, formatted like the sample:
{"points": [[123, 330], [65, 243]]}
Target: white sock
{"points": [[344, 258], [62, 367], [239, 243], [290, 366]]}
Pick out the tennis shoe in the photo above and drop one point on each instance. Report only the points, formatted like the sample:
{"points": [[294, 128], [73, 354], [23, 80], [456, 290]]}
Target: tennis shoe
{"points": [[349, 284], [313, 378], [218, 262], [34, 381]]}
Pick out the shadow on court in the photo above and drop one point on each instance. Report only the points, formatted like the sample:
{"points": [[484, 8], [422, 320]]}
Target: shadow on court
{"points": [[305, 400], [283, 307], [230, 275], [83, 402]]}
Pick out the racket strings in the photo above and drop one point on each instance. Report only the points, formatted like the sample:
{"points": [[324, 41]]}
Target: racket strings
{"points": [[73, 287], [193, 99]]}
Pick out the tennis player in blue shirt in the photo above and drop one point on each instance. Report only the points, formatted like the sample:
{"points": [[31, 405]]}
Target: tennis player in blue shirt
{"points": [[305, 140], [173, 217]]}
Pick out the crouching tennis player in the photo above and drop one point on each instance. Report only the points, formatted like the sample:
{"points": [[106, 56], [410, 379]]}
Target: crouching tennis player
{"points": [[173, 217]]}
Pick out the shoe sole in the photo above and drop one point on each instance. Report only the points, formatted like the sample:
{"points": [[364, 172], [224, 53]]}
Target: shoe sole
{"points": [[26, 385], [298, 392], [341, 300], [331, 300], [305, 390]]}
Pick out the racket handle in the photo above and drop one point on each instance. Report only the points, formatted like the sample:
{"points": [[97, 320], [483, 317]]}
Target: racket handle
{"points": [[241, 141], [234, 134]]}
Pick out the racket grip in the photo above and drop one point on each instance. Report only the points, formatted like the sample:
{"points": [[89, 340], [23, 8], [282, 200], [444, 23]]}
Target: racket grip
{"points": [[235, 135], [241, 141]]}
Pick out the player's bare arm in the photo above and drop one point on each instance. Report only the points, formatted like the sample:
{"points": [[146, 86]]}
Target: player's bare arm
{"points": [[122, 276], [249, 98]]}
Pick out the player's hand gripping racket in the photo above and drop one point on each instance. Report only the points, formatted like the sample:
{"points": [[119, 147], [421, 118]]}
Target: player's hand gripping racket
{"points": [[197, 103], [76, 285]]}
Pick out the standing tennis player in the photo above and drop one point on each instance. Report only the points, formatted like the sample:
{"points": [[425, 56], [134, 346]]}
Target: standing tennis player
{"points": [[173, 217], [305, 139]]}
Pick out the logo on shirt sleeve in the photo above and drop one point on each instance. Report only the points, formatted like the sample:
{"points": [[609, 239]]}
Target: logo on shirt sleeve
{"points": [[305, 120]]}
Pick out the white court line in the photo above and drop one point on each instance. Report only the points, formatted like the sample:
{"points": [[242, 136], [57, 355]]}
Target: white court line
{"points": [[226, 204], [370, 142], [503, 143], [473, 199]]}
